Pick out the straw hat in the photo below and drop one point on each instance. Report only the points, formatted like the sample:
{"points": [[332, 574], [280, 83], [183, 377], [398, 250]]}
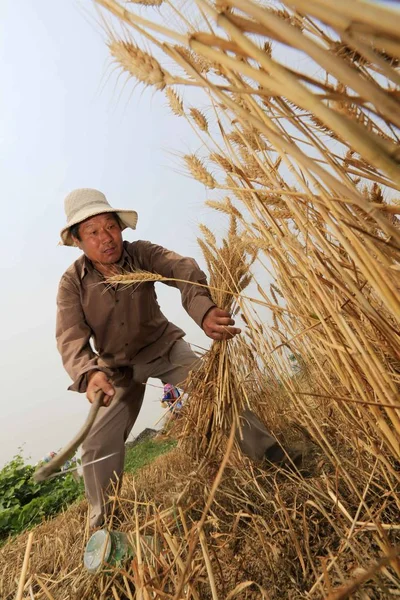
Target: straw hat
{"points": [[84, 203]]}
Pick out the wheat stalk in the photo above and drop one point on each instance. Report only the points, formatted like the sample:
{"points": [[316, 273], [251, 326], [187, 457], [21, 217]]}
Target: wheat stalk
{"points": [[147, 2], [175, 102], [141, 65], [199, 119], [199, 172]]}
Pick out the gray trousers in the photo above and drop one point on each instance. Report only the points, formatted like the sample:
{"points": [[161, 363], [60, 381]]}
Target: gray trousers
{"points": [[114, 423]]}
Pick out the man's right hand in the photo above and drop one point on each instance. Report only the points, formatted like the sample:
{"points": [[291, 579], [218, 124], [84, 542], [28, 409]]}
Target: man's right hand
{"points": [[97, 380]]}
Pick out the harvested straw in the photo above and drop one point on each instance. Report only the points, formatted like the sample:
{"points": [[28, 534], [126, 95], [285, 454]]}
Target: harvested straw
{"points": [[218, 381], [25, 565]]}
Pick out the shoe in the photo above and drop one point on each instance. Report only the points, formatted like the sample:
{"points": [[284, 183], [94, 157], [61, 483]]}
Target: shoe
{"points": [[290, 458]]}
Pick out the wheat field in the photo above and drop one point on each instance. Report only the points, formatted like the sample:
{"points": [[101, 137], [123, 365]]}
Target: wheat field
{"points": [[298, 134]]}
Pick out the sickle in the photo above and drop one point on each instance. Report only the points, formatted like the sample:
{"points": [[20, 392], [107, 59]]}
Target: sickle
{"points": [[69, 450]]}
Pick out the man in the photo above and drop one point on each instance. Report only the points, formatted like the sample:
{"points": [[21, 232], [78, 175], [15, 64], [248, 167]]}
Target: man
{"points": [[132, 339]]}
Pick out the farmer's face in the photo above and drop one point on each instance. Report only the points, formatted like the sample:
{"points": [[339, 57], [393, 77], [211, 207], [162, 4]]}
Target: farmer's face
{"points": [[101, 239]]}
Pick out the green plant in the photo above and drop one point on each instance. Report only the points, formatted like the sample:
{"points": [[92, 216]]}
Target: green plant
{"points": [[145, 452], [24, 503]]}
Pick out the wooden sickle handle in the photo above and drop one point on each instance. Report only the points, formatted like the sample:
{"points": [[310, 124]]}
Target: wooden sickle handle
{"points": [[69, 450]]}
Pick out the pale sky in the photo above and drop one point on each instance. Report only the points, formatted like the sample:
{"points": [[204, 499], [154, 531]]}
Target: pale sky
{"points": [[67, 122]]}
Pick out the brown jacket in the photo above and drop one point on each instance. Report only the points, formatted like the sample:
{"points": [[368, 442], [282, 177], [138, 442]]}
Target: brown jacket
{"points": [[125, 324]]}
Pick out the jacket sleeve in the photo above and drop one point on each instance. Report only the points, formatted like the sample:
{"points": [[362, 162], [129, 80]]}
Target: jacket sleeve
{"points": [[196, 300], [73, 336]]}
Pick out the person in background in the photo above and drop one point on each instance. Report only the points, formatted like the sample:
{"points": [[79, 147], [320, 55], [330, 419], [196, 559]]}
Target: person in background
{"points": [[72, 463], [47, 458], [171, 399]]}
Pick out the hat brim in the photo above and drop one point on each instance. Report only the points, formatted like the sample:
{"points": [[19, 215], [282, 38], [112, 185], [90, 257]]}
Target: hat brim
{"points": [[128, 218]]}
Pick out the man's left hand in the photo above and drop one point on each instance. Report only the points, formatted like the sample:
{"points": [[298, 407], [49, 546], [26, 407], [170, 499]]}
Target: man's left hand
{"points": [[217, 324]]}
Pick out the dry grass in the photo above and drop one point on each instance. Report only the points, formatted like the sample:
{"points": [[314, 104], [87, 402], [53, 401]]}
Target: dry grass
{"points": [[270, 527], [307, 151]]}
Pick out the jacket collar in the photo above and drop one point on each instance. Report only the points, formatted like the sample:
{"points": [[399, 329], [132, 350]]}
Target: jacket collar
{"points": [[87, 265]]}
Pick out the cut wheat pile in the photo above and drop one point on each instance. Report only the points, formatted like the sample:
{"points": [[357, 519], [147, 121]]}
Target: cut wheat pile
{"points": [[299, 141]]}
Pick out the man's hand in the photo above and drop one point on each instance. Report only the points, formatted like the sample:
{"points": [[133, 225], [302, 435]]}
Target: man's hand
{"points": [[217, 324], [99, 381]]}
